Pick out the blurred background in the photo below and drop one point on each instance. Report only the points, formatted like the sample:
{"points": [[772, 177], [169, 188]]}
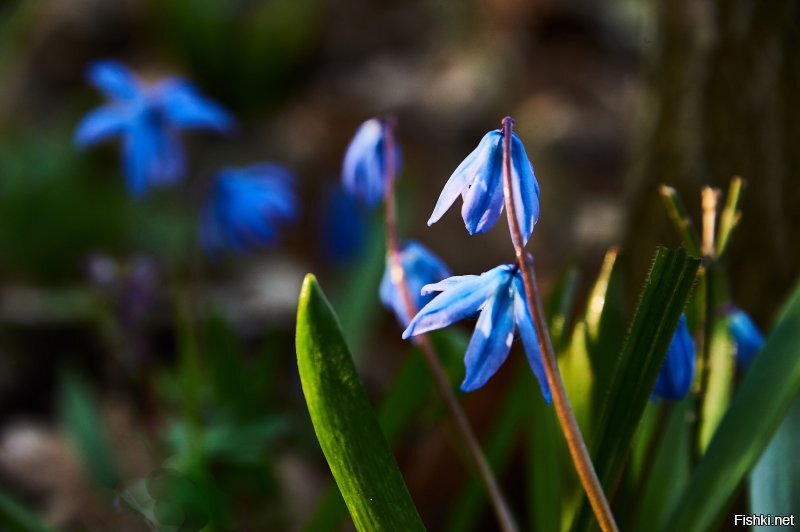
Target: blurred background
{"points": [[133, 366]]}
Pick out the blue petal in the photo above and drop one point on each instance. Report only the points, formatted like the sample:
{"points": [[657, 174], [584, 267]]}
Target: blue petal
{"points": [[525, 189], [246, 208], [483, 200], [490, 343], [101, 124], [114, 79], [183, 106], [363, 170], [139, 152], [420, 267], [747, 337], [466, 174], [461, 297], [677, 372], [527, 332], [342, 227]]}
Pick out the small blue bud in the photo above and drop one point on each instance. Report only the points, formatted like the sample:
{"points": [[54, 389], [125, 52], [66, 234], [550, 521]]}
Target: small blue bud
{"points": [[479, 181], [420, 267], [364, 168], [246, 207], [677, 372], [147, 119], [498, 297], [747, 337]]}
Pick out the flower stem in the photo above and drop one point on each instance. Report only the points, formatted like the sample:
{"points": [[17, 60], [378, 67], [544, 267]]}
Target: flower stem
{"points": [[566, 417], [504, 515]]}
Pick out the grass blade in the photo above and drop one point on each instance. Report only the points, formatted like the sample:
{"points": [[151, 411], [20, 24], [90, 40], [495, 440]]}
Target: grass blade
{"points": [[767, 391], [663, 299], [346, 427]]}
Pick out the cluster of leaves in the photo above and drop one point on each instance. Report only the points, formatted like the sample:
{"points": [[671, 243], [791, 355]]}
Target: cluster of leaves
{"points": [[673, 468]]}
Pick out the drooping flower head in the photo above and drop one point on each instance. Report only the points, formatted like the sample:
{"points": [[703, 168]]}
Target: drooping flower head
{"points": [[677, 372], [147, 119], [499, 297], [364, 168], [420, 267], [746, 335], [246, 208], [479, 181]]}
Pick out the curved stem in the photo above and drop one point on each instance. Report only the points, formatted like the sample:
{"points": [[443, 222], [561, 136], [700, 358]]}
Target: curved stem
{"points": [[566, 417], [504, 516]]}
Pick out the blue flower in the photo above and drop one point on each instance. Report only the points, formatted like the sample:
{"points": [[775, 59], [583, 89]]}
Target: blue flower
{"points": [[364, 168], [748, 338], [479, 181], [420, 268], [499, 297], [246, 207], [677, 372], [147, 119], [343, 227]]}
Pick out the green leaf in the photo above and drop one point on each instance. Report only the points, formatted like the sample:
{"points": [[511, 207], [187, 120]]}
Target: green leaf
{"points": [[662, 300], [16, 518], [348, 432], [605, 321], [775, 480], [768, 389], [83, 425], [411, 388], [719, 385], [667, 471]]}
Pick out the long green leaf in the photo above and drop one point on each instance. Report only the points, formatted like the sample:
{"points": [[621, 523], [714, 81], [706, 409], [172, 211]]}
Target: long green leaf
{"points": [[767, 391], [410, 390], [664, 296], [346, 427], [775, 481], [667, 473]]}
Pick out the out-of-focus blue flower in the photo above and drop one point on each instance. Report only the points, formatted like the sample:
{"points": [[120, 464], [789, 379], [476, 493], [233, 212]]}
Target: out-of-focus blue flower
{"points": [[677, 372], [343, 227], [420, 268], [748, 338], [364, 168], [479, 181], [246, 207], [147, 119], [499, 297]]}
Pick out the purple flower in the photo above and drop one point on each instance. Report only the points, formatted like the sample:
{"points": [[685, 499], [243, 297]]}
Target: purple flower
{"points": [[479, 181], [498, 298], [246, 208], [677, 372], [147, 119], [364, 168], [420, 267]]}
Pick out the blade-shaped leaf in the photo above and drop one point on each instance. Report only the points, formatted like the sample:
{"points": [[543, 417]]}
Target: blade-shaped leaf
{"points": [[775, 481], [768, 389], [667, 472], [662, 300], [410, 390], [346, 427]]}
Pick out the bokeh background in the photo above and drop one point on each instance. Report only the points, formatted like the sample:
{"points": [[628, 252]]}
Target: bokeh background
{"points": [[114, 325]]}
